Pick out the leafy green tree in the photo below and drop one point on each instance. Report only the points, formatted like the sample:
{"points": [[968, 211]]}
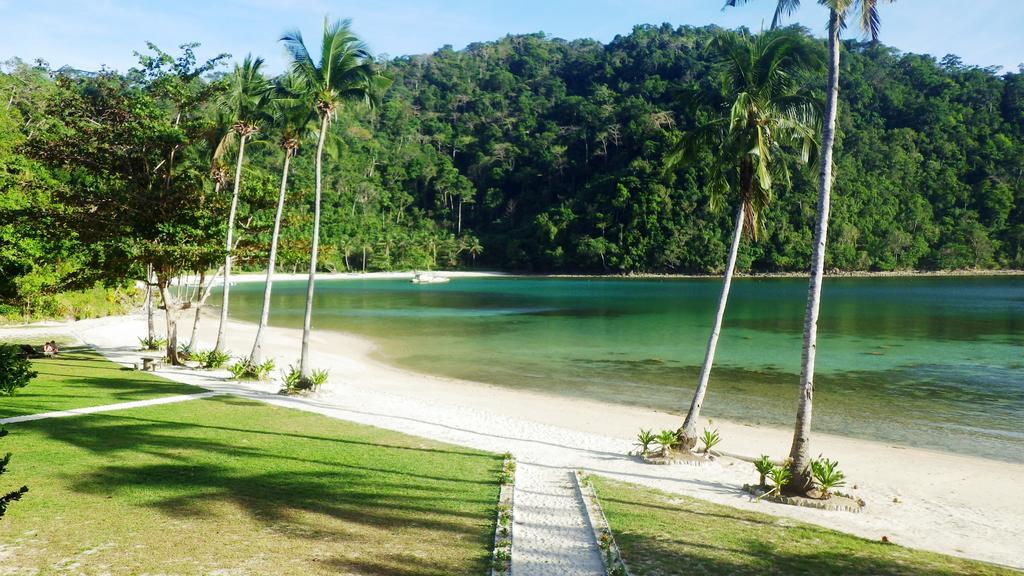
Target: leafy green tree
{"points": [[768, 109], [13, 495], [344, 72]]}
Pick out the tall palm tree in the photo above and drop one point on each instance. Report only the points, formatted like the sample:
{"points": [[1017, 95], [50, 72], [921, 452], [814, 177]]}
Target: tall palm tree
{"points": [[866, 12], [292, 115], [767, 108], [344, 72], [244, 100]]}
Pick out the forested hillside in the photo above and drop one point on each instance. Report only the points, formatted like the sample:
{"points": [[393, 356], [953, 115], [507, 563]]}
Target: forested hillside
{"points": [[564, 143], [539, 154]]}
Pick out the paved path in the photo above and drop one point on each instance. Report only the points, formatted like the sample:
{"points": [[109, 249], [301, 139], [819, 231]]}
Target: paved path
{"points": [[107, 407]]}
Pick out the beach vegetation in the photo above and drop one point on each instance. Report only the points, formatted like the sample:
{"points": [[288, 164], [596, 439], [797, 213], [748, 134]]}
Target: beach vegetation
{"points": [[767, 116], [344, 73], [764, 466], [710, 439], [780, 477], [292, 116], [827, 476], [211, 359], [644, 440], [667, 440], [292, 380], [15, 370], [244, 103], [152, 343], [246, 369], [866, 13]]}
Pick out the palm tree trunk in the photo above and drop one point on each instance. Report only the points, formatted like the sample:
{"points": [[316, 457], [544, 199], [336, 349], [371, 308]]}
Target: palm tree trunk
{"points": [[257, 348], [800, 451], [219, 346], [199, 306], [304, 367], [688, 433]]}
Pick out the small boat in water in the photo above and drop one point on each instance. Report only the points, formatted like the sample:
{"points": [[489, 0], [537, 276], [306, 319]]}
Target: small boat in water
{"points": [[428, 278]]}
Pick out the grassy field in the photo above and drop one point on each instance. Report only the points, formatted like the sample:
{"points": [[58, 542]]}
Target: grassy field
{"points": [[76, 379], [663, 534], [228, 486]]}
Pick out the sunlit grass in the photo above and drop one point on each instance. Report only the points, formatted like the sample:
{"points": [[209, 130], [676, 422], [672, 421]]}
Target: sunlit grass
{"points": [[662, 534]]}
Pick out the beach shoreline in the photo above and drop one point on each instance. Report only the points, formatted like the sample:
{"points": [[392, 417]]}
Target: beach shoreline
{"points": [[938, 501]]}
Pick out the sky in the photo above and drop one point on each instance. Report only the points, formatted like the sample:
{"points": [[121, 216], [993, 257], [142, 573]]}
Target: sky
{"points": [[88, 34]]}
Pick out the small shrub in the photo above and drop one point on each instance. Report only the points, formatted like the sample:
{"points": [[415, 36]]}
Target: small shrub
{"points": [[644, 440], [211, 358], [764, 466], [317, 378], [185, 351], [249, 370], [15, 371], [155, 343], [710, 439], [780, 476], [290, 380], [667, 439], [826, 473]]}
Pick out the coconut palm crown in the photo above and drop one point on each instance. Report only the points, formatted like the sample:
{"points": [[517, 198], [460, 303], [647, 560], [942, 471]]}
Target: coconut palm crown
{"points": [[767, 113]]}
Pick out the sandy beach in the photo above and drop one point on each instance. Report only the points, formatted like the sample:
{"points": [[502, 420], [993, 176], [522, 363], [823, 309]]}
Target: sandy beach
{"points": [[924, 499]]}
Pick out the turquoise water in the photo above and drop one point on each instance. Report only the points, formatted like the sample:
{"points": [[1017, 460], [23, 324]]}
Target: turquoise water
{"points": [[927, 362]]}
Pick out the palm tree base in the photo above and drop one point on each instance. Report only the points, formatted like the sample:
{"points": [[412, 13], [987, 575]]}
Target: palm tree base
{"points": [[835, 503]]}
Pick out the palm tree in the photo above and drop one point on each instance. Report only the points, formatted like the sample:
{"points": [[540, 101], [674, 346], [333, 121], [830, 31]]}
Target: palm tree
{"points": [[292, 115], [344, 73], [244, 100], [768, 109], [868, 18]]}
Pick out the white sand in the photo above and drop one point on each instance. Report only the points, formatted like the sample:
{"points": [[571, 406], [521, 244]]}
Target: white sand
{"points": [[948, 503]]}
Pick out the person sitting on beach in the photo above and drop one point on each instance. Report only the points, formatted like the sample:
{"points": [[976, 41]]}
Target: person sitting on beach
{"points": [[50, 348]]}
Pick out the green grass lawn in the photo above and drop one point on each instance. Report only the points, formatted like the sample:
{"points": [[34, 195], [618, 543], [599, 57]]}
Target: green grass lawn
{"points": [[229, 486], [80, 378], [663, 534]]}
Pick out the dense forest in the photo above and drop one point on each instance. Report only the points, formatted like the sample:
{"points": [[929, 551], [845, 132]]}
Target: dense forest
{"points": [[538, 154]]}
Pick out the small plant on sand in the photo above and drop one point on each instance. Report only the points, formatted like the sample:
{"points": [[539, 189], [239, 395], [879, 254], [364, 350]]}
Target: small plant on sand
{"points": [[508, 470], [15, 370], [185, 351], [211, 358], [667, 439], [826, 473], [643, 442], [710, 439], [248, 370], [292, 380], [764, 467], [154, 343], [780, 476]]}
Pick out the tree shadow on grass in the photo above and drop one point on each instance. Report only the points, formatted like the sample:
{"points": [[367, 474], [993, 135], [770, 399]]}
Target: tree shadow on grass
{"points": [[647, 555], [392, 505]]}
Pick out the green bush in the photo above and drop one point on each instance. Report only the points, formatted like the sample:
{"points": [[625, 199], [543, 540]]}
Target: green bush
{"points": [[248, 370], [154, 343], [826, 473], [764, 466], [710, 439], [644, 439], [292, 380], [210, 358], [15, 371]]}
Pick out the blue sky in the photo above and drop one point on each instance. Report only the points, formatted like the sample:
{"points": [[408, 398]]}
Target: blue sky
{"points": [[87, 34]]}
